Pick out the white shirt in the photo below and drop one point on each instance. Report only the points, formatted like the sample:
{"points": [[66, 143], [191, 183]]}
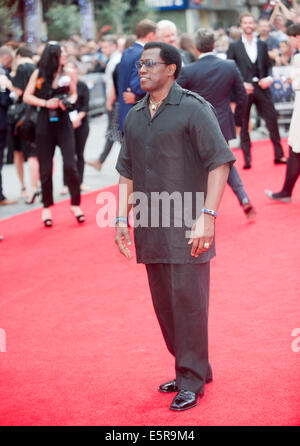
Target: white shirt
{"points": [[109, 69], [206, 54], [251, 48]]}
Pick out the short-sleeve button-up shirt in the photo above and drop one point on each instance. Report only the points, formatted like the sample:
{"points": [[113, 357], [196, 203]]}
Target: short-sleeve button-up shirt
{"points": [[171, 153]]}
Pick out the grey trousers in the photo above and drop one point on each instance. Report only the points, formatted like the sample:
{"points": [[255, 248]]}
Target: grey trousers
{"points": [[180, 295], [235, 182]]}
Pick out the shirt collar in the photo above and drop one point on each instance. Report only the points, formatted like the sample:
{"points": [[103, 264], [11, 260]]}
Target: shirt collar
{"points": [[174, 97], [254, 40], [206, 54]]}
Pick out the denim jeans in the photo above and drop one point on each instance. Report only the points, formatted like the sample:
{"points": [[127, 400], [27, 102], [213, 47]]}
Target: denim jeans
{"points": [[235, 182]]}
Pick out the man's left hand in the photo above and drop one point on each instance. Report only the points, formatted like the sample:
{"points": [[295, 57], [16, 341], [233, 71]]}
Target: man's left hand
{"points": [[265, 82], [129, 97], [202, 234]]}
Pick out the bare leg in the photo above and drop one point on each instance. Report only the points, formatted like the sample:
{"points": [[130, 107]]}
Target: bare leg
{"points": [[33, 167], [19, 161]]}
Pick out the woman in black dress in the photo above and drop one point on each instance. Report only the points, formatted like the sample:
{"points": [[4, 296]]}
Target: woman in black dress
{"points": [[53, 92]]}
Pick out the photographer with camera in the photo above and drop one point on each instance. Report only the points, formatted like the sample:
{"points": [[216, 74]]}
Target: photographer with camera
{"points": [[54, 93]]}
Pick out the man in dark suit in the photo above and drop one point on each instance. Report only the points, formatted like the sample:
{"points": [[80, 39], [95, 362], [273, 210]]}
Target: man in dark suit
{"points": [[216, 80], [251, 57], [128, 78]]}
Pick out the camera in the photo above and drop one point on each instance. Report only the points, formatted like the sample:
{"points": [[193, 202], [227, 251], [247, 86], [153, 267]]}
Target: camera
{"points": [[62, 94], [64, 99]]}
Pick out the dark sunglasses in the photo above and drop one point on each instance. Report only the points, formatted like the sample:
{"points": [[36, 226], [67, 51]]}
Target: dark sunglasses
{"points": [[148, 63]]}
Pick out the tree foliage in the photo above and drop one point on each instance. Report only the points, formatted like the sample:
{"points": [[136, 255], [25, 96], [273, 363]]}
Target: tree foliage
{"points": [[123, 15], [63, 20], [7, 8]]}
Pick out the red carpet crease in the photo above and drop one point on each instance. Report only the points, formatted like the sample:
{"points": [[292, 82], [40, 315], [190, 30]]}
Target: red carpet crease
{"points": [[83, 346]]}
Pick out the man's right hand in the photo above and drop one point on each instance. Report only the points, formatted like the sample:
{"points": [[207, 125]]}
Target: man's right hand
{"points": [[122, 239], [249, 87]]}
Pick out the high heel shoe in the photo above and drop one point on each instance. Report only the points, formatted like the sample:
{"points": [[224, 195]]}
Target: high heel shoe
{"points": [[47, 220], [79, 217], [282, 160], [34, 196]]}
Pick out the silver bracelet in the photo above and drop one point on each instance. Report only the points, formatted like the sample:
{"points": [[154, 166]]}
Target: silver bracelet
{"points": [[124, 219], [209, 212]]}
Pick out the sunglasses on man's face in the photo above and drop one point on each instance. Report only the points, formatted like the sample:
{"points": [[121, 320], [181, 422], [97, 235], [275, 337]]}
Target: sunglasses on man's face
{"points": [[148, 63]]}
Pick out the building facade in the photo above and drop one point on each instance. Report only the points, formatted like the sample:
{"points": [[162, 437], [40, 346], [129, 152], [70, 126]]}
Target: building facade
{"points": [[189, 15]]}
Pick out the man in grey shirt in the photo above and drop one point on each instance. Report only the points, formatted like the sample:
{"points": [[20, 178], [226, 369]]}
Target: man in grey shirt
{"points": [[173, 147]]}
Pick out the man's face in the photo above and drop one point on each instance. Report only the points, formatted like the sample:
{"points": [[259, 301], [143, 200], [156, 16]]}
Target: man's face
{"points": [[248, 25], [278, 21], [107, 48], [6, 61], [264, 27], [295, 42], [169, 35], [155, 77]]}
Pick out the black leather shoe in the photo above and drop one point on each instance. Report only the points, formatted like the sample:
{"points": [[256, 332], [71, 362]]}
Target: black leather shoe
{"points": [[281, 160], [168, 387], [171, 387], [185, 399], [247, 166]]}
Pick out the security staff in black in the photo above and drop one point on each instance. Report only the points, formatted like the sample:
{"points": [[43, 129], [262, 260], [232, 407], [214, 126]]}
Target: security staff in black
{"points": [[173, 145], [52, 90]]}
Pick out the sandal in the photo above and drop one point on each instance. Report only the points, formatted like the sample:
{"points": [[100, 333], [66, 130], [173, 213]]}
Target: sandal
{"points": [[80, 216]]}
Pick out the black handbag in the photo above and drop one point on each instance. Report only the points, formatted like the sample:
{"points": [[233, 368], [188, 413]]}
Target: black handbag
{"points": [[15, 112], [25, 127]]}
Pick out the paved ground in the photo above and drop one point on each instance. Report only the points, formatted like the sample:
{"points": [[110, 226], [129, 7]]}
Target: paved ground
{"points": [[92, 178]]}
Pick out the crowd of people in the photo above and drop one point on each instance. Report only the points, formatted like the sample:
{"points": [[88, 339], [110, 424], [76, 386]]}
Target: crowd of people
{"points": [[42, 93]]}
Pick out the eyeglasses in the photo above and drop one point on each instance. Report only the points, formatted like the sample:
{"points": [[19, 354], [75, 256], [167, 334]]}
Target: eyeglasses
{"points": [[148, 63]]}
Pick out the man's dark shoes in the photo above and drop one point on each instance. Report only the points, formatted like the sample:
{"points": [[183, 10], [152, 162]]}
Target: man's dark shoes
{"points": [[171, 387], [249, 210], [247, 166], [168, 387], [279, 196], [185, 399], [281, 160]]}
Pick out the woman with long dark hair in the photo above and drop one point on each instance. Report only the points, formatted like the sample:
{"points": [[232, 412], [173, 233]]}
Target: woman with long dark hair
{"points": [[53, 92]]}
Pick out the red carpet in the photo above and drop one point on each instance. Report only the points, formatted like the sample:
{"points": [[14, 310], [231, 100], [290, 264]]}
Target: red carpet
{"points": [[83, 346]]}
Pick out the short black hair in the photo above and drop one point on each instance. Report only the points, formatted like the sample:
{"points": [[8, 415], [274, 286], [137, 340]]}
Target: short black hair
{"points": [[24, 51], [168, 54], [293, 30]]}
